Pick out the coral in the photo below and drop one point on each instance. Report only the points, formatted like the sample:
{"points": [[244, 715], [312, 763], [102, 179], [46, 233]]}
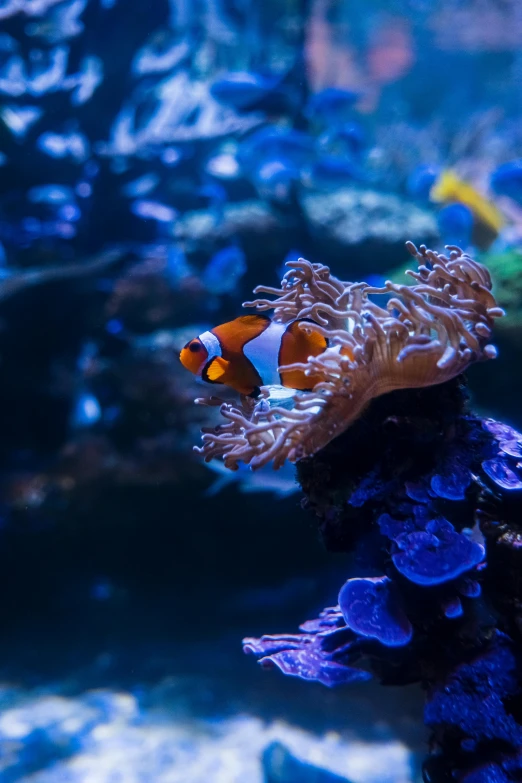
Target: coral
{"points": [[436, 554], [427, 496], [425, 335], [372, 607], [321, 653], [354, 216]]}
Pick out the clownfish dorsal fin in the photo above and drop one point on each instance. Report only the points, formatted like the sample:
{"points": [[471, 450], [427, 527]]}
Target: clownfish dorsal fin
{"points": [[254, 319], [233, 335], [215, 370]]}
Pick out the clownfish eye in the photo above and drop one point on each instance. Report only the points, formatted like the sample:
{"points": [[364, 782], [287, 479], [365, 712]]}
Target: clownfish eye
{"points": [[194, 346]]}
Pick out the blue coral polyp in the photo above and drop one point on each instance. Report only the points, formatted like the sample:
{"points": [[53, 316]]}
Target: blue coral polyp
{"points": [[426, 334], [435, 555], [372, 607]]}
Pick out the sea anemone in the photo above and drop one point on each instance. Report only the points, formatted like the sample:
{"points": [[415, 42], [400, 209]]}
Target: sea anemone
{"points": [[424, 335]]}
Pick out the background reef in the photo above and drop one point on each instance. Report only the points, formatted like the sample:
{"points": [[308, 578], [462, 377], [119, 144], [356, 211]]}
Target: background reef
{"points": [[156, 163]]}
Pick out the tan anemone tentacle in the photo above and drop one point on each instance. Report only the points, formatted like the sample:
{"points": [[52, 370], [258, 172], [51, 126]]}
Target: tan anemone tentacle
{"points": [[426, 334], [307, 290]]}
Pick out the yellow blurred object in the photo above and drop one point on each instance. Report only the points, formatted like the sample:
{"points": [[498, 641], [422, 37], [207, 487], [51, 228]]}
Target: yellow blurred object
{"points": [[450, 188]]}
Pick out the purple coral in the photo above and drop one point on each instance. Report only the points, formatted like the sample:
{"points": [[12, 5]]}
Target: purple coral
{"points": [[470, 588], [501, 474], [436, 554], [453, 608], [490, 679], [512, 448], [504, 469], [452, 482], [500, 431], [406, 511], [373, 607], [322, 653]]}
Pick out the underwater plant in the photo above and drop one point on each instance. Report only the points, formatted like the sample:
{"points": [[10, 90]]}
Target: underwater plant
{"points": [[426, 495]]}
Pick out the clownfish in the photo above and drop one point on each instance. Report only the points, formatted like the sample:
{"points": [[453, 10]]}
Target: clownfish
{"points": [[246, 353]]}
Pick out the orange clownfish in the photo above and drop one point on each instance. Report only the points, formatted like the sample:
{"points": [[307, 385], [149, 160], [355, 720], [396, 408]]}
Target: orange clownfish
{"points": [[246, 353]]}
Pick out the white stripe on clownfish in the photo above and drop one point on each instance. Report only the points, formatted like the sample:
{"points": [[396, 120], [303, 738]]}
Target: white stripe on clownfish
{"points": [[212, 344], [263, 352]]}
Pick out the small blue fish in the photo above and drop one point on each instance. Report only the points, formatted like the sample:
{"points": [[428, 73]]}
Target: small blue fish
{"points": [[271, 143], [51, 194], [240, 89], [421, 180], [245, 91], [153, 210], [455, 222], [334, 171], [506, 180], [332, 105], [224, 270], [347, 139]]}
